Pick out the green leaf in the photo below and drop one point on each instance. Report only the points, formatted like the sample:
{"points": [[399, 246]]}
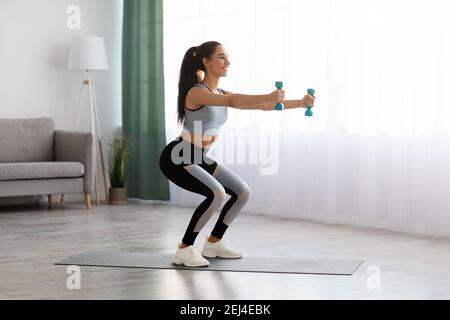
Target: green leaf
{"points": [[118, 155]]}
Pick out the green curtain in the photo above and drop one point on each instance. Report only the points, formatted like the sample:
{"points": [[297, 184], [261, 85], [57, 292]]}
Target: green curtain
{"points": [[143, 97]]}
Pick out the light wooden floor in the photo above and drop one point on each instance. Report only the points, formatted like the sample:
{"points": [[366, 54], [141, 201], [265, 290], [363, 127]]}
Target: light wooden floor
{"points": [[33, 238]]}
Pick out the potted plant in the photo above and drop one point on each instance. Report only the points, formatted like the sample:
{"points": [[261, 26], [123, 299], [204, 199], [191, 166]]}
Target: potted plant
{"points": [[118, 155]]}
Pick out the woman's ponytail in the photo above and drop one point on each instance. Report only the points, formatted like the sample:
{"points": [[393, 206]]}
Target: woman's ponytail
{"points": [[192, 63], [188, 78]]}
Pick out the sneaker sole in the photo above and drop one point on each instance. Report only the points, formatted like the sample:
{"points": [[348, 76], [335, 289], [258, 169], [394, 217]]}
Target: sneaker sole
{"points": [[179, 262], [206, 255]]}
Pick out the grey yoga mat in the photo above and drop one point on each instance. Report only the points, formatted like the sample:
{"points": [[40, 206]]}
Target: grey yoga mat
{"points": [[149, 260]]}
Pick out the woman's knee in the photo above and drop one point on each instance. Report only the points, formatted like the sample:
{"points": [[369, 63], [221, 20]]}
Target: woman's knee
{"points": [[245, 194], [218, 196]]}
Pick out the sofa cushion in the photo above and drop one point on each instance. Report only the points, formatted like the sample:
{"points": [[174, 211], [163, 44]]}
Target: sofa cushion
{"points": [[26, 140], [40, 170]]}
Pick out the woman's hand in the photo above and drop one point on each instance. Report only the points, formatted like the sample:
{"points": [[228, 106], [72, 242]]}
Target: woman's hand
{"points": [[276, 96], [308, 101]]}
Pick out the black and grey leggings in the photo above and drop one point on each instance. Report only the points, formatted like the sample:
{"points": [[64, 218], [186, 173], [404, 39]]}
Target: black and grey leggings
{"points": [[187, 165]]}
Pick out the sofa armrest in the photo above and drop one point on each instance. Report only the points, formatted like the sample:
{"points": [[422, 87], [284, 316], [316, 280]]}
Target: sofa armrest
{"points": [[77, 147]]}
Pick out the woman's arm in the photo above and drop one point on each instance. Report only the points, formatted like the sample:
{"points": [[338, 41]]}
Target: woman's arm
{"points": [[292, 104], [200, 96], [288, 104], [258, 106], [265, 106]]}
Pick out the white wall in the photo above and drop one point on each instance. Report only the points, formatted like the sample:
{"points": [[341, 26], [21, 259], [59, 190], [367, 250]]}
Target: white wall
{"points": [[34, 49]]}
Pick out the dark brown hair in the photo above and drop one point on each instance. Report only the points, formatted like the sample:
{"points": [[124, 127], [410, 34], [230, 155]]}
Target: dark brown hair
{"points": [[192, 62]]}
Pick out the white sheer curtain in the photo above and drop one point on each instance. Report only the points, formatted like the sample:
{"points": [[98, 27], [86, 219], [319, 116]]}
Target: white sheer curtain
{"points": [[377, 150]]}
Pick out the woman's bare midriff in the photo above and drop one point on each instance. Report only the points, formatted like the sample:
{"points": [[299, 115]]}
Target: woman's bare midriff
{"points": [[200, 140]]}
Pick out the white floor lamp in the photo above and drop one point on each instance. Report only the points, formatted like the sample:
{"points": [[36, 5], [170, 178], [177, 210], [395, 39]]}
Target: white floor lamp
{"points": [[89, 54]]}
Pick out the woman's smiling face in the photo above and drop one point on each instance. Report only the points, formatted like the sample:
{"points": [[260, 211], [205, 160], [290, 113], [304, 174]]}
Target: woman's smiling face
{"points": [[219, 63]]}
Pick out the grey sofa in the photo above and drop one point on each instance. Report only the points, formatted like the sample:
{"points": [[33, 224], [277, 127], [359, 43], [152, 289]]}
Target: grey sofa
{"points": [[36, 159]]}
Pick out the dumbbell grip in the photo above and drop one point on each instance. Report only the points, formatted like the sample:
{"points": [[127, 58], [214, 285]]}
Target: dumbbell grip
{"points": [[279, 85], [308, 112]]}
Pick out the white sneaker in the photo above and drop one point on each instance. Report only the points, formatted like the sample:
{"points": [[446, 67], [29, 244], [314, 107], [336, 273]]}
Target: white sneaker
{"points": [[219, 249], [189, 257]]}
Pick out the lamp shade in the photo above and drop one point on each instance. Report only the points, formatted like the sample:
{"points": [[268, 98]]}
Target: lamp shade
{"points": [[88, 53]]}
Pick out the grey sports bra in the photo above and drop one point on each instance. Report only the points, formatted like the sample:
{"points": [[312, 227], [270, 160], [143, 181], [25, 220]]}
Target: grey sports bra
{"points": [[207, 119]]}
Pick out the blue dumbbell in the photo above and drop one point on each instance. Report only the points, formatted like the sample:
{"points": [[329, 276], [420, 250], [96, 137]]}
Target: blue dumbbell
{"points": [[279, 85], [308, 111]]}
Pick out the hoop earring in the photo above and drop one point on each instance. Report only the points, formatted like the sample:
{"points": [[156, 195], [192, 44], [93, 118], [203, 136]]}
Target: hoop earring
{"points": [[200, 75]]}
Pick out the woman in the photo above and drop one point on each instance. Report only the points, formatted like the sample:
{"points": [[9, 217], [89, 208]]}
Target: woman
{"points": [[202, 109]]}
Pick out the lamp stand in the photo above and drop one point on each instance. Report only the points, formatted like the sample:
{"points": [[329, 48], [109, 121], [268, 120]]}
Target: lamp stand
{"points": [[95, 125]]}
